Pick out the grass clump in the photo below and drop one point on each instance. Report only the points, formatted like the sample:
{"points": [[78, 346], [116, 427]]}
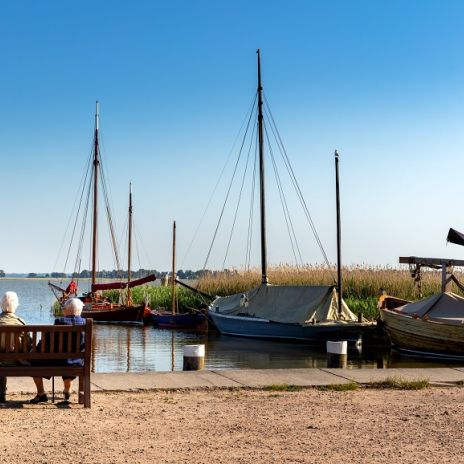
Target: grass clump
{"points": [[401, 384], [350, 386], [283, 388]]}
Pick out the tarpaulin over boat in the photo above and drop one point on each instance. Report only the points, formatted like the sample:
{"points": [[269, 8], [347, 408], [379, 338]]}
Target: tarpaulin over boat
{"points": [[446, 307], [286, 304], [121, 285], [455, 237]]}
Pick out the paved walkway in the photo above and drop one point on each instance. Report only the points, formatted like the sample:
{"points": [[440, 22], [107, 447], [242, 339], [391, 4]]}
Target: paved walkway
{"points": [[247, 378]]}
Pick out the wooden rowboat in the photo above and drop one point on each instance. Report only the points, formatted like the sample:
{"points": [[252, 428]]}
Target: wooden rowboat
{"points": [[433, 326]]}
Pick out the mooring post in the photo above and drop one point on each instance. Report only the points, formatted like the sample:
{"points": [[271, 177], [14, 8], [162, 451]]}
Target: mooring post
{"points": [[337, 354], [194, 357]]}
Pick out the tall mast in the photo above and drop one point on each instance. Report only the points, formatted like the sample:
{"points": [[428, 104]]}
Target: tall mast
{"points": [[129, 245], [174, 299], [339, 237], [261, 176], [96, 163]]}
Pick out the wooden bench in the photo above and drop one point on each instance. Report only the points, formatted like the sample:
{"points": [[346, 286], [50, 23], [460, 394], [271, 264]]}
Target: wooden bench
{"points": [[25, 343]]}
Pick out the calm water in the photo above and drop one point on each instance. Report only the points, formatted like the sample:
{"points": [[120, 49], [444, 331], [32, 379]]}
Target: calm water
{"points": [[132, 348]]}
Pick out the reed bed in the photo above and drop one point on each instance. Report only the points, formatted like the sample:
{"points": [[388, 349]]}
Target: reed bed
{"points": [[161, 297], [362, 285]]}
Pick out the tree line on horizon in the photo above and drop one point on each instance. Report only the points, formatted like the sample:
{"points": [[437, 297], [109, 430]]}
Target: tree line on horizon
{"points": [[114, 274]]}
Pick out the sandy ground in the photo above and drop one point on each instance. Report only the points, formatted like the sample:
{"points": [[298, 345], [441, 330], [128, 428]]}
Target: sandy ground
{"points": [[239, 426]]}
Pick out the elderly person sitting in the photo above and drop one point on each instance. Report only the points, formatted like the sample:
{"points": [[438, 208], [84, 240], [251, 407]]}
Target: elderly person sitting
{"points": [[9, 303], [72, 310]]}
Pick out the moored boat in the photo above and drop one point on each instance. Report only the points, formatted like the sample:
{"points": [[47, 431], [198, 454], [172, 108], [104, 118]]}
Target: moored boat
{"points": [[168, 320], [164, 319], [95, 305], [312, 314], [433, 326], [303, 312]]}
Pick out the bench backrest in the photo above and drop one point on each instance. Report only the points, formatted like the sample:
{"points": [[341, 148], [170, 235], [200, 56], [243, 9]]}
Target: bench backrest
{"points": [[26, 342]]}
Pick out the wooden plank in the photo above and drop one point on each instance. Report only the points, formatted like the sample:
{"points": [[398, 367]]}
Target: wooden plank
{"points": [[431, 261]]}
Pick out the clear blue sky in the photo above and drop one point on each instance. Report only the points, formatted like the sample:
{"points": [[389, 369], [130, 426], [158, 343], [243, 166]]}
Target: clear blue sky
{"points": [[381, 81]]}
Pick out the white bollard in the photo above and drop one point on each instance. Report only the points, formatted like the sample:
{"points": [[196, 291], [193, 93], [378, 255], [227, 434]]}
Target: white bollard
{"points": [[337, 354], [194, 357]]}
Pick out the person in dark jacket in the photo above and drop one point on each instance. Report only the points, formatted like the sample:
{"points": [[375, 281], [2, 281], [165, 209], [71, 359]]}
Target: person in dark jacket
{"points": [[72, 310]]}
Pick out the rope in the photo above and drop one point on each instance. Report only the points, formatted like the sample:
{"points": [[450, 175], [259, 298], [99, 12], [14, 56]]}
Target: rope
{"points": [[228, 191], [80, 189], [218, 181], [252, 201], [294, 180], [239, 198], [285, 209]]}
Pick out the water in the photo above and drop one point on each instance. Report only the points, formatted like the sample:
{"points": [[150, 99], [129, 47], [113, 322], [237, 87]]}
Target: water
{"points": [[119, 348]]}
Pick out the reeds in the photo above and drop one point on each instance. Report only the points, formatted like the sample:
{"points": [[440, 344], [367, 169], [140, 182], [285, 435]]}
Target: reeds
{"points": [[362, 284]]}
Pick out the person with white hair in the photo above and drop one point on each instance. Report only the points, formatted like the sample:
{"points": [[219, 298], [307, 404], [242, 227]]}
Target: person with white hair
{"points": [[9, 304], [72, 310]]}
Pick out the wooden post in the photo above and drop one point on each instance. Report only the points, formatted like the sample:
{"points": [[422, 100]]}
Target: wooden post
{"points": [[337, 354], [194, 357]]}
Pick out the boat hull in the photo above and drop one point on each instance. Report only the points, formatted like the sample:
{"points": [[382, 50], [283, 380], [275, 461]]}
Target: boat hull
{"points": [[319, 333], [167, 320], [423, 337], [117, 313]]}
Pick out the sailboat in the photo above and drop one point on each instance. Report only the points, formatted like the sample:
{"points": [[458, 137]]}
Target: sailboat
{"points": [[312, 314], [194, 320], [95, 305]]}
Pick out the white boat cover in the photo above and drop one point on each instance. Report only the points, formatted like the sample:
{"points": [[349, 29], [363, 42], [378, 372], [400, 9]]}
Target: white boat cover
{"points": [[297, 304], [445, 307]]}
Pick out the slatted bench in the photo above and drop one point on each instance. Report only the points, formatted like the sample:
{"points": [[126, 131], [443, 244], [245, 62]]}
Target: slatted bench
{"points": [[26, 343]]}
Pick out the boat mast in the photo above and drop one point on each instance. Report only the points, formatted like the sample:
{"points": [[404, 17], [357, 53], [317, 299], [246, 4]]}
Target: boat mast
{"points": [[339, 237], [129, 245], [96, 163], [261, 176], [174, 299]]}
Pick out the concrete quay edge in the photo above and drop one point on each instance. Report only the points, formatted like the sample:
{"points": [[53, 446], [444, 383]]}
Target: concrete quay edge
{"points": [[246, 378]]}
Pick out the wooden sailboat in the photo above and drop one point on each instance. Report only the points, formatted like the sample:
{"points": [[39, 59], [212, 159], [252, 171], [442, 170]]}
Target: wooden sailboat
{"points": [[194, 320], [433, 326], [309, 313], [96, 306]]}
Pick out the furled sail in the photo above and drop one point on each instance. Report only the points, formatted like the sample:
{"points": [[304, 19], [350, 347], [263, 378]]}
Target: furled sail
{"points": [[121, 285]]}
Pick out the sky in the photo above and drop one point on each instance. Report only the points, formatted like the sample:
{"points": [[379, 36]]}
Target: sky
{"points": [[380, 81]]}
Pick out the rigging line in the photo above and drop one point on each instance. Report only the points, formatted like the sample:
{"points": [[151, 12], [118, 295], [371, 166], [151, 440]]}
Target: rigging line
{"points": [[252, 201], [110, 219], [228, 192], [83, 226], [136, 241], [283, 202], [81, 189], [140, 242], [250, 110], [295, 182], [106, 188], [239, 198]]}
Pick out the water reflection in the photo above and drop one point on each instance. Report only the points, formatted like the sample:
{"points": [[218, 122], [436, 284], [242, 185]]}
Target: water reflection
{"points": [[136, 348]]}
